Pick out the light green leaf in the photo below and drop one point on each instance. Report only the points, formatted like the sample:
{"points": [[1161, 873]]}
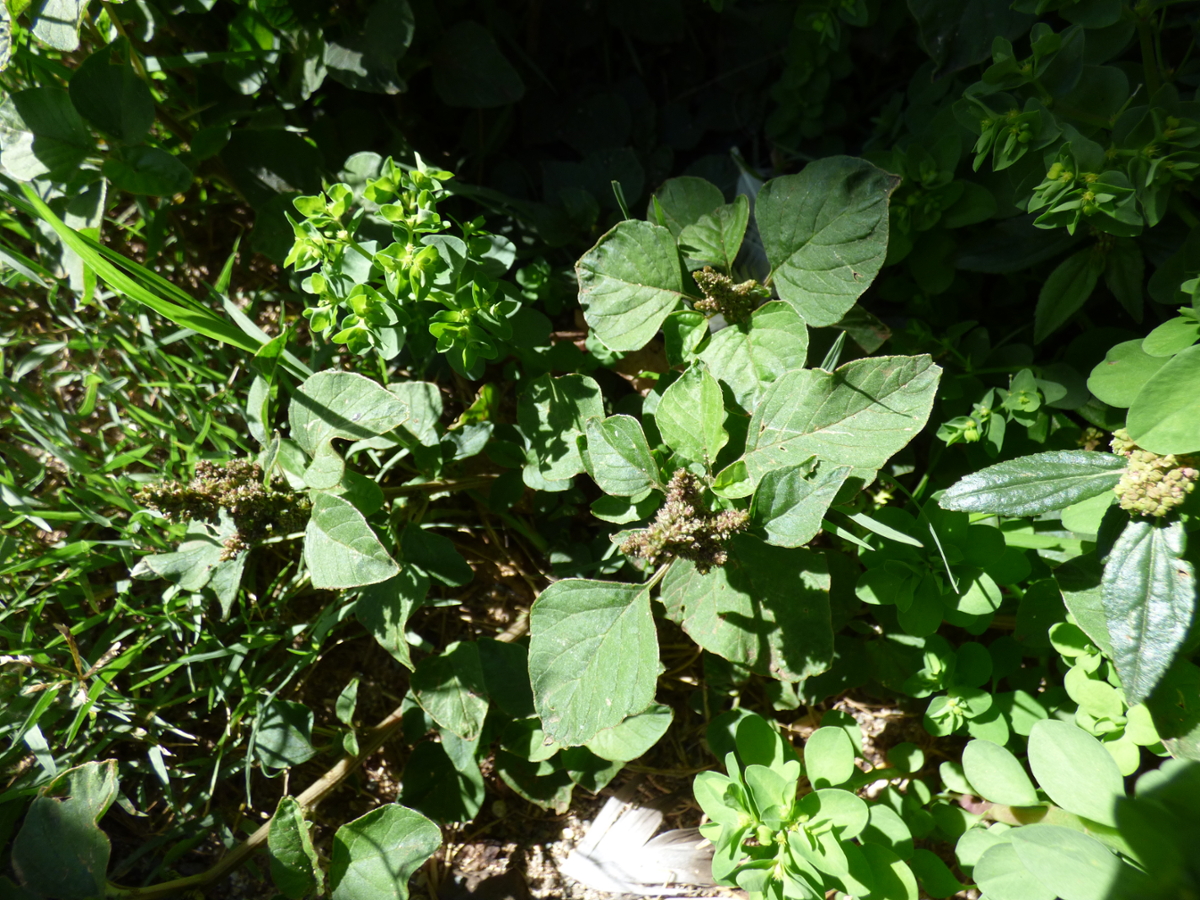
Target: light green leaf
{"points": [[336, 404], [295, 867], [684, 201], [1001, 874], [997, 774], [618, 456], [1075, 770], [859, 416], [553, 413], [1072, 865], [629, 282], [767, 608], [751, 355], [825, 233], [593, 657], [632, 737], [374, 856], [1165, 415], [340, 548], [716, 237], [829, 757], [1172, 336], [1035, 484], [1149, 597], [383, 609], [691, 416], [450, 687], [1065, 291], [892, 877], [789, 504], [1124, 372]]}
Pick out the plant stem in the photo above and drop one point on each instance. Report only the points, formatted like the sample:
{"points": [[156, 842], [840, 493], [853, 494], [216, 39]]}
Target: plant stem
{"points": [[1149, 63], [431, 487]]}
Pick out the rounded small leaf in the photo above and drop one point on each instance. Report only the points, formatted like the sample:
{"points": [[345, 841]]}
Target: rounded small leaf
{"points": [[997, 774], [1001, 875], [829, 757]]}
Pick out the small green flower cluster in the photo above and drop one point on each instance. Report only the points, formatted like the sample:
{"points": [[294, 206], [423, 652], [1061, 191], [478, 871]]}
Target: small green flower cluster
{"points": [[258, 510], [367, 291], [684, 529], [1152, 485], [733, 301]]}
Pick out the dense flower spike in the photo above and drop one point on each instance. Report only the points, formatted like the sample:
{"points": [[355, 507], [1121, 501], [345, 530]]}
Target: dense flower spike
{"points": [[1152, 485], [258, 510], [733, 301], [684, 529]]}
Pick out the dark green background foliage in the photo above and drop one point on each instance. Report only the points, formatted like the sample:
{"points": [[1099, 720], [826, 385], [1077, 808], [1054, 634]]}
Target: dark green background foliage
{"points": [[565, 386]]}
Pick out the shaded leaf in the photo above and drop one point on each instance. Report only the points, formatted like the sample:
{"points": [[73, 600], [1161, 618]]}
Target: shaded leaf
{"points": [[374, 856]]}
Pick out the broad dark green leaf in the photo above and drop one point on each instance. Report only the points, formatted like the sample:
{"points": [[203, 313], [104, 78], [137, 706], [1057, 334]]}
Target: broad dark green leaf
{"points": [[691, 416], [1065, 291], [553, 413], [112, 97], [383, 609], [1149, 596], [1124, 267], [825, 233], [147, 170], [1165, 415], [374, 856], [435, 786], [790, 503], [59, 851], [859, 416], [593, 657], [631, 738], [284, 734], [42, 134], [365, 60], [618, 457], [341, 550], [751, 355], [295, 867], [684, 201], [469, 69], [1035, 484], [335, 404], [1124, 372], [716, 237], [629, 282], [1075, 770], [450, 687], [959, 33], [434, 555], [767, 608]]}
